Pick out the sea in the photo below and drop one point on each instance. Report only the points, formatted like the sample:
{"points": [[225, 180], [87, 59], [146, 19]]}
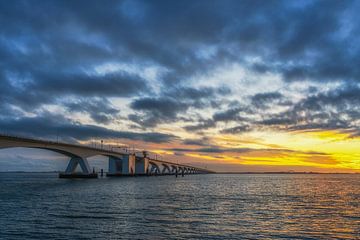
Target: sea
{"points": [[211, 206]]}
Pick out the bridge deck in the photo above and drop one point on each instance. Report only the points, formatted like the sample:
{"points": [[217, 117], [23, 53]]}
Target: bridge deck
{"points": [[78, 150]]}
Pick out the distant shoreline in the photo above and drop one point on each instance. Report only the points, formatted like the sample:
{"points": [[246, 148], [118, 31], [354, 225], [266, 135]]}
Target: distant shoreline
{"points": [[224, 173], [283, 173]]}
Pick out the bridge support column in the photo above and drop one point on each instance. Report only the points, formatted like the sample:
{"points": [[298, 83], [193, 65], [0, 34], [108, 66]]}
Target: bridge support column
{"points": [[115, 166], [181, 171], [129, 167], [141, 166], [124, 166], [71, 168], [174, 170]]}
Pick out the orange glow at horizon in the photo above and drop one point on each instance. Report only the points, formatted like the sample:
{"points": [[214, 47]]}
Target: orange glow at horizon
{"points": [[324, 150]]}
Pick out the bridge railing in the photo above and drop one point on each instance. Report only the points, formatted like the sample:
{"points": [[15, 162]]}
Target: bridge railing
{"points": [[90, 145]]}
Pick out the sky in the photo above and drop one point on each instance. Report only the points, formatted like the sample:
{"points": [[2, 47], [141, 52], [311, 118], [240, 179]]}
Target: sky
{"points": [[227, 85]]}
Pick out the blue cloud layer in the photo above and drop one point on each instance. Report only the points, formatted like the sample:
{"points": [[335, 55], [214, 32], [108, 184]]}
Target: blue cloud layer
{"points": [[50, 51]]}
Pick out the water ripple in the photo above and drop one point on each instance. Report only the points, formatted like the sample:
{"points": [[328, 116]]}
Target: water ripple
{"points": [[41, 206]]}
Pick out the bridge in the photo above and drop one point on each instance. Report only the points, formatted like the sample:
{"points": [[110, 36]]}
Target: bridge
{"points": [[120, 163]]}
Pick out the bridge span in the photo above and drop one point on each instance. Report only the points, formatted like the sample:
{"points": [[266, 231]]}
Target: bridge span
{"points": [[120, 163]]}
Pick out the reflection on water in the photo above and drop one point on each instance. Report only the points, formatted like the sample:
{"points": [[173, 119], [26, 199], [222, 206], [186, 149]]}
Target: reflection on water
{"points": [[41, 206]]}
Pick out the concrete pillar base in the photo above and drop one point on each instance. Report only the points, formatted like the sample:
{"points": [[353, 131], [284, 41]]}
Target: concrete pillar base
{"points": [[78, 175], [84, 165]]}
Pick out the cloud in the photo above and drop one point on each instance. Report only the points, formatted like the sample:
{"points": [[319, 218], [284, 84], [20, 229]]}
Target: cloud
{"points": [[119, 84], [210, 150], [197, 142], [215, 149], [230, 115], [99, 109], [49, 126], [206, 124], [315, 42], [264, 100], [334, 109], [276, 121], [299, 43], [167, 107], [153, 111], [236, 130], [44, 88]]}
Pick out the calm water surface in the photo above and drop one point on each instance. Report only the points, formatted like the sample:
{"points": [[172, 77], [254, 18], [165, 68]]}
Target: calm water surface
{"points": [[41, 206]]}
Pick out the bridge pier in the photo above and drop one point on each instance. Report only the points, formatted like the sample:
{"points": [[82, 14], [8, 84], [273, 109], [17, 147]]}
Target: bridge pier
{"points": [[124, 166], [115, 166], [71, 168], [174, 170], [180, 171], [141, 166]]}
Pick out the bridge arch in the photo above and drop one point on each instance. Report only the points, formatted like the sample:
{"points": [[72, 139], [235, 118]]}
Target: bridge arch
{"points": [[166, 169], [76, 158], [32, 159], [154, 168]]}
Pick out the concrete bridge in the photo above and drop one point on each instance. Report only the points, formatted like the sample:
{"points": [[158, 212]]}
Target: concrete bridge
{"points": [[120, 163]]}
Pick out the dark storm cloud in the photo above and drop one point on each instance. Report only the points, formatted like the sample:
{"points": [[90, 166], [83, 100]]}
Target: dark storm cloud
{"points": [[50, 126]]}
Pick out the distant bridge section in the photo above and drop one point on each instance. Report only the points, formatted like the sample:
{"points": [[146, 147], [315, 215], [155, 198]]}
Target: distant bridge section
{"points": [[120, 163]]}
